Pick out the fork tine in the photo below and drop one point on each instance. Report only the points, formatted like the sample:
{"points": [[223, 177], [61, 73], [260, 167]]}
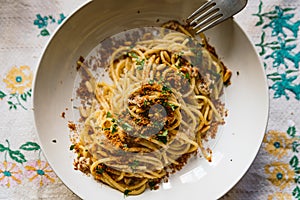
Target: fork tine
{"points": [[203, 15], [208, 26], [208, 19], [203, 7]]}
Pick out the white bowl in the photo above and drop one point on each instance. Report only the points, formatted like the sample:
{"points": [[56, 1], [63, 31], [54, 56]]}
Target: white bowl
{"points": [[246, 99]]}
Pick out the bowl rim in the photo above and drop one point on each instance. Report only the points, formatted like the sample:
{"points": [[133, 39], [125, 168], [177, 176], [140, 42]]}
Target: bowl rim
{"points": [[82, 6]]}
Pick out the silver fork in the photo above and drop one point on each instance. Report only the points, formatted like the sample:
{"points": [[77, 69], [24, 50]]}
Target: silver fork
{"points": [[213, 12]]}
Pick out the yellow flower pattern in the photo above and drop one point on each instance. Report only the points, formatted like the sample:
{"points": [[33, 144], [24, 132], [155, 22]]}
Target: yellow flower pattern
{"points": [[10, 174], [40, 172], [283, 172], [280, 196], [277, 143], [19, 79], [280, 174]]}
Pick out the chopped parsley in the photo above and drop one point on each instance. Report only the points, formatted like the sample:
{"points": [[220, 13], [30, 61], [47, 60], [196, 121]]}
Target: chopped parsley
{"points": [[181, 53], [140, 67], [187, 76], [165, 133], [114, 128], [163, 137], [152, 185], [158, 124], [126, 192], [133, 55], [108, 115], [173, 107], [134, 164], [146, 102], [166, 89], [140, 64], [151, 82], [72, 147], [99, 170]]}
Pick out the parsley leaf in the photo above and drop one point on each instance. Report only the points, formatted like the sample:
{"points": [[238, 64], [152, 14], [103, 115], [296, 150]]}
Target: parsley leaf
{"points": [[151, 82], [166, 89], [99, 171], [173, 107], [187, 76], [163, 137], [108, 115], [140, 64], [133, 165], [126, 192], [72, 147], [114, 128]]}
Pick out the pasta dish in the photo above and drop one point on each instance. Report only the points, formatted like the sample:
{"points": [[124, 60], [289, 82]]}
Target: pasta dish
{"points": [[163, 101]]}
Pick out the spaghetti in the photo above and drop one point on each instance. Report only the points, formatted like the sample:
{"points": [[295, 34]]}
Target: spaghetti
{"points": [[164, 101]]}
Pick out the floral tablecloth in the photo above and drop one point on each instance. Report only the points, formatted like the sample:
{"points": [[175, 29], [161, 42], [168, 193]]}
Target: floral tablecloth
{"points": [[26, 26]]}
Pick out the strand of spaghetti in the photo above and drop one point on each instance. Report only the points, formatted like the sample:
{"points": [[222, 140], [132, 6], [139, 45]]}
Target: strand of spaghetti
{"points": [[153, 51], [155, 174], [185, 138], [139, 149], [207, 109], [170, 160], [203, 150], [217, 114], [120, 68], [151, 160], [190, 115], [114, 57], [205, 129], [153, 42], [139, 52], [178, 151], [147, 67], [148, 144], [192, 88], [119, 178], [106, 179]]}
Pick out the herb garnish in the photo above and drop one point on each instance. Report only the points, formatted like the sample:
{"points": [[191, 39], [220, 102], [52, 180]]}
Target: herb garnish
{"points": [[140, 64], [187, 76], [151, 82], [173, 107], [114, 128], [108, 115], [163, 137], [72, 147], [166, 89], [99, 171], [126, 192], [134, 164], [152, 185]]}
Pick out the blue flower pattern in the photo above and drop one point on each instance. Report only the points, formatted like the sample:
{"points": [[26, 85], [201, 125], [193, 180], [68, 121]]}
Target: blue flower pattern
{"points": [[281, 51], [42, 22]]}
